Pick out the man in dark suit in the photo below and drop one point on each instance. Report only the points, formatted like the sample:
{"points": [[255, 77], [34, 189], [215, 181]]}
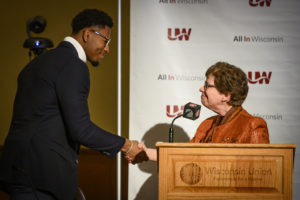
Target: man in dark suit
{"points": [[51, 116]]}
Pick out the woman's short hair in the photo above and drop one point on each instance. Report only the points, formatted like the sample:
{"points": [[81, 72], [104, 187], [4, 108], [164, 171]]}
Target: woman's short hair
{"points": [[230, 79]]}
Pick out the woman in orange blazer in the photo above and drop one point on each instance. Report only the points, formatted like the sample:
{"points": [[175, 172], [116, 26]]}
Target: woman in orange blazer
{"points": [[224, 91]]}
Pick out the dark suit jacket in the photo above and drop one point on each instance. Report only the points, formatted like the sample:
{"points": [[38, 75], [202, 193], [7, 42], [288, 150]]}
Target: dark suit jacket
{"points": [[50, 120]]}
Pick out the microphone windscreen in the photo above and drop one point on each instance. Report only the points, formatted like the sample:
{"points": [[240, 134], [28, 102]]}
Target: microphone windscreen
{"points": [[188, 113], [191, 111]]}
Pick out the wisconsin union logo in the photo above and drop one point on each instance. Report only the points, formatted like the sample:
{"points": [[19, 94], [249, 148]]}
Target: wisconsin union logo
{"points": [[177, 110], [179, 34], [259, 77], [261, 3], [191, 173]]}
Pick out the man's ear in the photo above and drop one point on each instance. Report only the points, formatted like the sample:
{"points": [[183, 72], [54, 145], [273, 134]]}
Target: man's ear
{"points": [[85, 35]]}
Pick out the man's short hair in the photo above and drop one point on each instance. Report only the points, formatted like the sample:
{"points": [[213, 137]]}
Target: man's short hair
{"points": [[90, 17]]}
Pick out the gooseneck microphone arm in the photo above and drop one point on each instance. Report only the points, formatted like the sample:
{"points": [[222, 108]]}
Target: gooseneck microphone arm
{"points": [[171, 132], [190, 111]]}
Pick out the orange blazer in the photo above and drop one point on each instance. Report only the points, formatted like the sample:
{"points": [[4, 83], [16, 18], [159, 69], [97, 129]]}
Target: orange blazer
{"points": [[243, 128]]}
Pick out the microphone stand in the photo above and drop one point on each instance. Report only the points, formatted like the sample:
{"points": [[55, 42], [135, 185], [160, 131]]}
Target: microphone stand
{"points": [[188, 108], [171, 132]]}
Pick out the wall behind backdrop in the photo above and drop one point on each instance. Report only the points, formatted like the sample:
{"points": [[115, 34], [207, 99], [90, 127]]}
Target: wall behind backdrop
{"points": [[173, 42]]}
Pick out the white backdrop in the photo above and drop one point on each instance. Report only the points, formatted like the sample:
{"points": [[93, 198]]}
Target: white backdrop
{"points": [[173, 42]]}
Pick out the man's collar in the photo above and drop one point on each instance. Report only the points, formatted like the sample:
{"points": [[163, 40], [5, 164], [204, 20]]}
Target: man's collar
{"points": [[78, 47]]}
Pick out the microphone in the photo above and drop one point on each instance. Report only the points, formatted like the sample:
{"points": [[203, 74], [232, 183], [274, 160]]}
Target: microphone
{"points": [[190, 111]]}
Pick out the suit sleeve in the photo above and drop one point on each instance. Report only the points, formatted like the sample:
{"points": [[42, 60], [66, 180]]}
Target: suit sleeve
{"points": [[72, 88]]}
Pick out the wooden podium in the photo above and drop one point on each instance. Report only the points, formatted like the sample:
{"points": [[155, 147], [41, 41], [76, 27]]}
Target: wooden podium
{"points": [[193, 171]]}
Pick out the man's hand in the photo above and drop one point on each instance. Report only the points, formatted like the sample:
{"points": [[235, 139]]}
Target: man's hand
{"points": [[133, 153]]}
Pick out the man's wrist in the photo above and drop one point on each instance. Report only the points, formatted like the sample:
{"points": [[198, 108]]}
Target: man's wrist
{"points": [[126, 145], [130, 148]]}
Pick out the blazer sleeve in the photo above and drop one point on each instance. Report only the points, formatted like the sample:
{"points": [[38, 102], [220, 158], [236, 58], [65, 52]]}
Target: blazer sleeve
{"points": [[259, 132], [72, 87]]}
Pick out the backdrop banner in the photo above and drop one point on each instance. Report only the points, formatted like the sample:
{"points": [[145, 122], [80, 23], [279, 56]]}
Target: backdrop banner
{"points": [[172, 44]]}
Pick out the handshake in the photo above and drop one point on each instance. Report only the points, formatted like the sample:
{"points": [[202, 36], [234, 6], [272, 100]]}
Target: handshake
{"points": [[136, 152]]}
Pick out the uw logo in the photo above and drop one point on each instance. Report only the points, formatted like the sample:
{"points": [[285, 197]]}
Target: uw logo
{"points": [[261, 3], [178, 34], [175, 112], [259, 77]]}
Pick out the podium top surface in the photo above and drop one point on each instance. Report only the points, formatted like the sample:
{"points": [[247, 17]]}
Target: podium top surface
{"points": [[222, 145]]}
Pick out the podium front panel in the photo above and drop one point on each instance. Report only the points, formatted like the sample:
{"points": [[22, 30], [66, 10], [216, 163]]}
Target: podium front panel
{"points": [[189, 171]]}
